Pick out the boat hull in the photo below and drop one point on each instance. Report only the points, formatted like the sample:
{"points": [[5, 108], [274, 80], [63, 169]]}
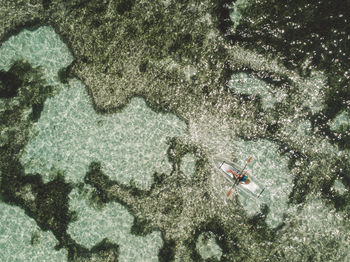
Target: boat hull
{"points": [[253, 188]]}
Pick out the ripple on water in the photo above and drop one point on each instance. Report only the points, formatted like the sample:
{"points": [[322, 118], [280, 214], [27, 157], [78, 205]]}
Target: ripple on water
{"points": [[341, 122], [207, 247], [314, 230], [271, 170], [40, 47], [114, 222], [131, 144], [22, 240]]}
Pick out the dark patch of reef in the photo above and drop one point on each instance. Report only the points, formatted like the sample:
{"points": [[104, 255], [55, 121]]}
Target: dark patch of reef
{"points": [[131, 46], [23, 88]]}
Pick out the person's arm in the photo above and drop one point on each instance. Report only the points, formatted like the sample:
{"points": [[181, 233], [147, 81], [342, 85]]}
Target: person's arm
{"points": [[233, 173]]}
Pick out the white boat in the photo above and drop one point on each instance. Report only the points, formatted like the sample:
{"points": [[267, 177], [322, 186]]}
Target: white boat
{"points": [[254, 188]]}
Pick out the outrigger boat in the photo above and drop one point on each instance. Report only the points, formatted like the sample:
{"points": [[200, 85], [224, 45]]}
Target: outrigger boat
{"points": [[232, 172]]}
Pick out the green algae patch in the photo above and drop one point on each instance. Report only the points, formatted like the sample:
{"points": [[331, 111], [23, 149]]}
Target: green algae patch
{"points": [[52, 200], [131, 144], [9, 84], [167, 252], [114, 222], [21, 239], [27, 86], [19, 111]]}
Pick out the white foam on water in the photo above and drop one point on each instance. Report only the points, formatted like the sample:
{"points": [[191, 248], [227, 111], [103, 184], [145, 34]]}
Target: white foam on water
{"points": [[40, 47], [114, 222], [208, 248], [131, 145], [16, 231]]}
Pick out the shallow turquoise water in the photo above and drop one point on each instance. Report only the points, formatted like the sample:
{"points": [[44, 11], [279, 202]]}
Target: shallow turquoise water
{"points": [[271, 170], [21, 239], [341, 122], [188, 165], [207, 247], [242, 83], [132, 145], [41, 47], [114, 222]]}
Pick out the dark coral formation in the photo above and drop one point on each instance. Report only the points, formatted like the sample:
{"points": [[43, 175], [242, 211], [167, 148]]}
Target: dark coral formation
{"points": [[181, 208], [24, 88], [149, 48], [304, 37], [26, 84]]}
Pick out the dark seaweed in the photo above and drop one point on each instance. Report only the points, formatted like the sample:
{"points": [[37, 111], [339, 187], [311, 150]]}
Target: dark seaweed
{"points": [[167, 252], [296, 33], [9, 84], [46, 203]]}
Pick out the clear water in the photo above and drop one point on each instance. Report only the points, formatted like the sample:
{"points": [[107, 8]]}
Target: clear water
{"points": [[41, 47], [207, 247], [242, 83], [188, 165], [339, 187], [271, 170], [22, 240], [341, 122], [114, 222], [132, 145]]}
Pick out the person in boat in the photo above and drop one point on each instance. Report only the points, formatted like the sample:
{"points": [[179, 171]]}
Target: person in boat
{"points": [[242, 178]]}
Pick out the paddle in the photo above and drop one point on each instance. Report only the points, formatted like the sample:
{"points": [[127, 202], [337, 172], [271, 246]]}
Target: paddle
{"points": [[237, 181]]}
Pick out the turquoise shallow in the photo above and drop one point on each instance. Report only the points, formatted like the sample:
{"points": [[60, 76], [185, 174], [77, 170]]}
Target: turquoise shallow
{"points": [[108, 145]]}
